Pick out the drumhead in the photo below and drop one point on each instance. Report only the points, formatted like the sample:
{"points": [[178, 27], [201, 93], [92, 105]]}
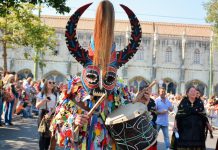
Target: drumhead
{"points": [[125, 113]]}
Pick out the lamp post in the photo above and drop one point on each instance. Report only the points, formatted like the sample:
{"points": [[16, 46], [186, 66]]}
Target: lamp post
{"points": [[211, 65]]}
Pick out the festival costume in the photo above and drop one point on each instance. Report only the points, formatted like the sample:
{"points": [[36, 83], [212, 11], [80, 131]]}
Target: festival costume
{"points": [[191, 122], [95, 135], [152, 109]]}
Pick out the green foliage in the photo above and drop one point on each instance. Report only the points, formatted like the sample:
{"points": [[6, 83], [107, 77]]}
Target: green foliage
{"points": [[58, 5], [212, 17], [26, 55], [5, 4], [20, 27], [41, 64], [212, 12], [35, 33]]}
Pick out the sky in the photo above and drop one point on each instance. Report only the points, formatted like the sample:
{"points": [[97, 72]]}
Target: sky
{"points": [[172, 11]]}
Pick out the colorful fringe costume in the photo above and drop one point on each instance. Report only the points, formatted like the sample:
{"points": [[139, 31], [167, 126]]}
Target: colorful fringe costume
{"points": [[93, 136]]}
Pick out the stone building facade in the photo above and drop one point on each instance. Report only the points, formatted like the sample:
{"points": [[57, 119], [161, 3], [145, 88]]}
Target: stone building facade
{"points": [[176, 55]]}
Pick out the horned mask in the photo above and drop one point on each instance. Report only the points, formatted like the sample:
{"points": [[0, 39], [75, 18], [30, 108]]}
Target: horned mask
{"points": [[92, 76]]}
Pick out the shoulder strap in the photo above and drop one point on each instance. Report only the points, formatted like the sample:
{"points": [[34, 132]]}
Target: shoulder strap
{"points": [[46, 106], [42, 94]]}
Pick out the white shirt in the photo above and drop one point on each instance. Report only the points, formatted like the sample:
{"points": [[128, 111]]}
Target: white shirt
{"points": [[50, 104]]}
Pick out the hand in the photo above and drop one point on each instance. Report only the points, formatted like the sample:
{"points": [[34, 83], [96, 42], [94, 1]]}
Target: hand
{"points": [[210, 128], [46, 100], [47, 116], [175, 128], [165, 111], [81, 119], [143, 96]]}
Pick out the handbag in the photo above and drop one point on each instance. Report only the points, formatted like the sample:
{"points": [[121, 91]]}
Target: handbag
{"points": [[8, 96], [173, 142], [44, 123]]}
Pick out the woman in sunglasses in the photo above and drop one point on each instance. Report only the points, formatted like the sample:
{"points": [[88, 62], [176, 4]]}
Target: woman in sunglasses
{"points": [[46, 100]]}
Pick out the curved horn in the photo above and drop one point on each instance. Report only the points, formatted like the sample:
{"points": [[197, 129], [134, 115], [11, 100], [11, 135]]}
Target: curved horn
{"points": [[79, 53], [129, 51]]}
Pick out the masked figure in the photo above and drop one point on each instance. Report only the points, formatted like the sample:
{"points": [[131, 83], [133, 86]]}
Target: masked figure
{"points": [[101, 62]]}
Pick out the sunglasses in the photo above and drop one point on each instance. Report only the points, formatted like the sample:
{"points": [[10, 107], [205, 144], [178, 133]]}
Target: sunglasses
{"points": [[50, 82]]}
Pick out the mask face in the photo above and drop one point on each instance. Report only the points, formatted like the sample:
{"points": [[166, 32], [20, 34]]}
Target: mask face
{"points": [[93, 82]]}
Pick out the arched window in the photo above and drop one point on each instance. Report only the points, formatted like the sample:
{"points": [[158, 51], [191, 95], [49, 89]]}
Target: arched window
{"points": [[140, 53], [137, 83], [119, 40], [134, 86], [24, 74], [80, 36], [197, 56], [55, 76], [168, 55], [146, 41]]}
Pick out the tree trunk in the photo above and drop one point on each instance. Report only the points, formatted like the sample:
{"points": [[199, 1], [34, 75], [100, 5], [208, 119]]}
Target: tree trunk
{"points": [[36, 61], [4, 55], [36, 64]]}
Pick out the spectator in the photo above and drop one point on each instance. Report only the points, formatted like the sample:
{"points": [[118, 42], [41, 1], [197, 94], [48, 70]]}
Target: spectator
{"points": [[16, 94], [176, 102], [46, 100], [32, 94], [191, 122], [11, 93], [26, 84], [163, 105]]}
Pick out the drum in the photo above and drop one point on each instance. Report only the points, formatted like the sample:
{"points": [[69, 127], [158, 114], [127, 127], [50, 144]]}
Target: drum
{"points": [[130, 126]]}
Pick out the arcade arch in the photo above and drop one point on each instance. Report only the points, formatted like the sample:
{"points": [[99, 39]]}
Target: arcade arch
{"points": [[137, 83], [24, 74], [55, 76]]}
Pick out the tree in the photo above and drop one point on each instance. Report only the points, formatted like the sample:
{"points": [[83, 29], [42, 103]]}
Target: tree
{"points": [[212, 17], [58, 5], [19, 27]]}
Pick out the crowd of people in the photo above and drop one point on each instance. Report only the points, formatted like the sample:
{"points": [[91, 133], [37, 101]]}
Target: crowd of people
{"points": [[27, 97], [18, 96]]}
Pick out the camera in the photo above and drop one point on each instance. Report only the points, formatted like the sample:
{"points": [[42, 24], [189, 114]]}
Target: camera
{"points": [[48, 98]]}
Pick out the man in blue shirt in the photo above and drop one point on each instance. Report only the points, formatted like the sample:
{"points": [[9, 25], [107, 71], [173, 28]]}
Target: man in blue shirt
{"points": [[163, 105]]}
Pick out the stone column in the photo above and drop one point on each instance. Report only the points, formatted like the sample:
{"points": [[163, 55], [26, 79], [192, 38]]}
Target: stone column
{"points": [[210, 85], [182, 67], [154, 50], [182, 85]]}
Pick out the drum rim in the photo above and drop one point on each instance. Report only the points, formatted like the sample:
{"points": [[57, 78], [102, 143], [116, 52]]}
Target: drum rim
{"points": [[120, 118]]}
